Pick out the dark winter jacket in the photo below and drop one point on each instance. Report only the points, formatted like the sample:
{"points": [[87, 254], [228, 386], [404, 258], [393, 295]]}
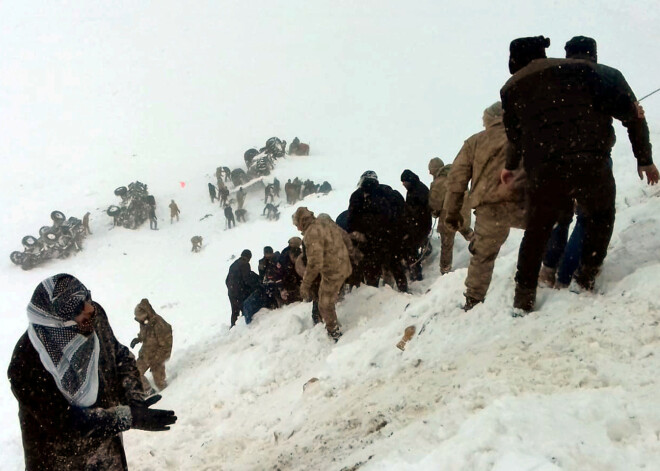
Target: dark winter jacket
{"points": [[557, 107], [289, 278], [241, 281], [268, 269], [229, 213], [377, 212], [59, 436], [418, 214]]}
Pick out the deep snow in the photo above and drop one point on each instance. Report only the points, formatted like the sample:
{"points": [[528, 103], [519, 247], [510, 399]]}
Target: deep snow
{"points": [[96, 97]]}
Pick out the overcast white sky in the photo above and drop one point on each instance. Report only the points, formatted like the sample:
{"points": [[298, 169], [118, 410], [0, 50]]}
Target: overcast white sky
{"points": [[90, 82]]}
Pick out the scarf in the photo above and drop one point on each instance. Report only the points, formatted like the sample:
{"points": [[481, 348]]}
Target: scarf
{"points": [[70, 357]]}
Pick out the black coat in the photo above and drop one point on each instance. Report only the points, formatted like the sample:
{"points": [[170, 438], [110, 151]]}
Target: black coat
{"points": [[418, 214], [558, 107], [241, 281], [378, 213], [59, 436], [289, 278]]}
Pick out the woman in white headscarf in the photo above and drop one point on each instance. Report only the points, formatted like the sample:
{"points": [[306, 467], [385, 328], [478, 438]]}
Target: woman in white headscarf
{"points": [[77, 387]]}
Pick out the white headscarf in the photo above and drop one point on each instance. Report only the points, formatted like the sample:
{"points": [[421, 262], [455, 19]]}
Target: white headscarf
{"points": [[71, 357]]}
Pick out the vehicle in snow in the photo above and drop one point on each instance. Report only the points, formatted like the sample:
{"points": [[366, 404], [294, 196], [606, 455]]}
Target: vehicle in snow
{"points": [[60, 240], [135, 205]]}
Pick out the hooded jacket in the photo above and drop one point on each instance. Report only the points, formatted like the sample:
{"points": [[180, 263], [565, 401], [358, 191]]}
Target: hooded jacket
{"points": [[327, 254], [418, 220], [481, 161], [155, 334], [438, 190]]}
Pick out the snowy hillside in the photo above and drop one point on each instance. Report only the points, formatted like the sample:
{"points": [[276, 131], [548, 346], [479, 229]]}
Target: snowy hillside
{"points": [[97, 97]]}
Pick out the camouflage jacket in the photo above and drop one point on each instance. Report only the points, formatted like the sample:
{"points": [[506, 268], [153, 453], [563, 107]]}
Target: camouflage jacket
{"points": [[327, 254]]}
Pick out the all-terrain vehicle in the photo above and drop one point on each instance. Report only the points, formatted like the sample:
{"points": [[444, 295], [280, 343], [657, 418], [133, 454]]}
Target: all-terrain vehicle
{"points": [[60, 240], [135, 205]]}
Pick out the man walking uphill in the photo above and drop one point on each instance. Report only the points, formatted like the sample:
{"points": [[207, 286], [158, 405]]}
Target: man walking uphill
{"points": [[377, 212], [418, 222], [327, 257], [77, 387], [498, 208], [437, 193], [558, 114]]}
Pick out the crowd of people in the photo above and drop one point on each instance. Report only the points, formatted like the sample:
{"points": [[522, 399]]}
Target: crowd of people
{"points": [[543, 156]]}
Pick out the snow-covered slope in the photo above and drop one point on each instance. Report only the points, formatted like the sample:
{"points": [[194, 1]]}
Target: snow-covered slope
{"points": [[573, 385], [100, 96]]}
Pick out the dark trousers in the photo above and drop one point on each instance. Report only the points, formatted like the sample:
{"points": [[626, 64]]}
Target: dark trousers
{"points": [[552, 186], [236, 308], [374, 262], [564, 253]]}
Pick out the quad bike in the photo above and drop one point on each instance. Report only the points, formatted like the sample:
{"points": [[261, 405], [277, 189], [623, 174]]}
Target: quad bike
{"points": [[60, 240], [275, 148], [135, 205]]}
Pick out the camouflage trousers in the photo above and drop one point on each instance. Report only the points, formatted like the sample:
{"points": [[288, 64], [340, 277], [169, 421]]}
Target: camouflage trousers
{"points": [[327, 298], [157, 370], [447, 239], [493, 222]]}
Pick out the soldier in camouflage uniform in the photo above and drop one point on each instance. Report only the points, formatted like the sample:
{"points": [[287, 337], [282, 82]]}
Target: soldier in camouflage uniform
{"points": [[437, 193], [156, 338], [174, 212], [327, 257], [498, 208]]}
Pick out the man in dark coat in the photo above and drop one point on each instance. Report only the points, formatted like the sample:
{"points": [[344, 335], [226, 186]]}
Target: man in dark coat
{"points": [[288, 277], [229, 217], [269, 276], [241, 282], [77, 387], [558, 114], [418, 222], [376, 211], [212, 192], [224, 195]]}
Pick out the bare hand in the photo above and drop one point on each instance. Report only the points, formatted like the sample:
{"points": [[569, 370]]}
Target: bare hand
{"points": [[506, 177], [651, 171], [640, 111]]}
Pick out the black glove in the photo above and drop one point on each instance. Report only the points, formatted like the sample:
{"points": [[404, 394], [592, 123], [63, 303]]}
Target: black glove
{"points": [[134, 342], [454, 221], [153, 420]]}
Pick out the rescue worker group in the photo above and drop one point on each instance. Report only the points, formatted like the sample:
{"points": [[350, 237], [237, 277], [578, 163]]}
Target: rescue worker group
{"points": [[543, 158]]}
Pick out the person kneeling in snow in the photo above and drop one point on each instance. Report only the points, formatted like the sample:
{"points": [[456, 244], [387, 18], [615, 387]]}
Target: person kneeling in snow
{"points": [[156, 338], [327, 257], [77, 387]]}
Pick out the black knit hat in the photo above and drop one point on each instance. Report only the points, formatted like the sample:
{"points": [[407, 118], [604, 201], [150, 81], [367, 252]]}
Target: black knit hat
{"points": [[268, 250], [409, 176], [581, 46], [524, 50], [246, 253]]}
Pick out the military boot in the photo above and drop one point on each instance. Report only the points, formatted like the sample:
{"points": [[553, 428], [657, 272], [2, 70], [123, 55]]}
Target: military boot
{"points": [[523, 300], [547, 276], [470, 302], [335, 334], [585, 278]]}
